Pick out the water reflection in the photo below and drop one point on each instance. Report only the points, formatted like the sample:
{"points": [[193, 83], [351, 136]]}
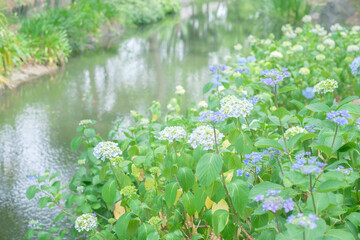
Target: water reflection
{"points": [[38, 120]]}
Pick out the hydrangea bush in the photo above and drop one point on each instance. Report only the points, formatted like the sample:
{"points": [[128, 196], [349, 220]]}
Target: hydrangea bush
{"points": [[272, 154]]}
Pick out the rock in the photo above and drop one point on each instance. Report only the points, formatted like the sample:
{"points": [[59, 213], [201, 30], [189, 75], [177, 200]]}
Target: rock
{"points": [[336, 11]]}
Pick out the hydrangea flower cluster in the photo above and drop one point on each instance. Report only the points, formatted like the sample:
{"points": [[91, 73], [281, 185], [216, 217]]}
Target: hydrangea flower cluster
{"points": [[310, 128], [85, 122], [128, 191], [307, 164], [107, 150], [339, 117], [254, 158], [217, 68], [345, 171], [306, 18], [249, 59], [217, 80], [288, 31], [355, 70], [276, 54], [297, 48], [274, 76], [303, 220], [212, 117], [336, 27], [329, 42], [179, 90], [325, 86], [235, 107], [85, 222], [275, 203], [308, 92], [318, 30], [352, 48], [34, 224], [247, 171], [204, 136], [172, 133], [202, 104], [320, 57], [293, 131], [271, 152], [304, 71]]}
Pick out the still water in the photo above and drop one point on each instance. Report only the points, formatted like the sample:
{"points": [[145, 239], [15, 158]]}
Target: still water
{"points": [[38, 119]]}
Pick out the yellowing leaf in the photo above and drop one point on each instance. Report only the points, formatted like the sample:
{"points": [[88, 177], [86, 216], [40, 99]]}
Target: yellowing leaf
{"points": [[229, 175], [178, 195], [149, 183], [226, 144], [208, 203], [118, 210], [222, 204]]}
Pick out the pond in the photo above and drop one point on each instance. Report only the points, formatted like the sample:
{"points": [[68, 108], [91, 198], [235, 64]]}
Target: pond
{"points": [[38, 119]]}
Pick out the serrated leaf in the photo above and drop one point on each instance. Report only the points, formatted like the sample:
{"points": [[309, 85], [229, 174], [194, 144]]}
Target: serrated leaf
{"points": [[208, 168], [318, 107]]}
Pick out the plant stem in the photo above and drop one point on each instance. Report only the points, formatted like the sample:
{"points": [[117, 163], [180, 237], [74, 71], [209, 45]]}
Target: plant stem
{"points": [[280, 166], [277, 222], [286, 147], [312, 196], [117, 180], [217, 149], [304, 235], [275, 95], [255, 174], [336, 129]]}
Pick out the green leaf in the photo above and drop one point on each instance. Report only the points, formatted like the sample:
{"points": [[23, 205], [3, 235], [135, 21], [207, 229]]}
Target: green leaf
{"points": [[208, 87], [239, 194], [354, 217], [89, 133], [170, 193], [43, 236], [44, 201], [293, 140], [347, 100], [347, 147], [75, 143], [352, 108], [200, 197], [330, 185], [262, 188], [219, 220], [318, 107], [29, 234], [281, 112], [266, 143], [103, 171], [144, 231], [287, 89], [243, 144], [188, 200], [125, 225], [108, 192], [186, 178], [325, 149], [31, 191], [208, 168], [337, 234], [299, 105]]}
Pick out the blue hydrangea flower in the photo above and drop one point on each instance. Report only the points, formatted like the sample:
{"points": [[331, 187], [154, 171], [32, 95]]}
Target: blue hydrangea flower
{"points": [[303, 221], [251, 59], [217, 68], [274, 76], [271, 152], [242, 61], [254, 157], [355, 70], [107, 150], [239, 172], [275, 203], [345, 171], [308, 93], [310, 128], [339, 117], [241, 70], [217, 80], [212, 117], [307, 164]]}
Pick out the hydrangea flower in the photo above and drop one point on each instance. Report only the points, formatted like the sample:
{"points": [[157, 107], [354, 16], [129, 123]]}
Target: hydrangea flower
{"points": [[154, 221], [86, 122], [297, 48], [128, 191], [217, 80], [306, 18], [254, 157], [336, 27], [320, 57], [85, 222], [271, 152], [235, 107], [303, 220], [286, 44], [320, 47], [80, 189], [274, 203], [204, 136], [212, 117], [329, 42], [202, 104], [325, 86], [293, 131], [276, 54], [345, 171], [304, 71], [352, 48], [307, 164], [355, 70], [247, 171], [310, 128], [318, 30], [34, 224], [172, 133], [308, 92], [217, 68], [274, 76], [339, 117], [238, 47], [179, 90], [107, 150]]}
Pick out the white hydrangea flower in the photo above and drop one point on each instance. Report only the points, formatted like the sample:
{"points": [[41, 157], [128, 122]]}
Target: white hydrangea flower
{"points": [[85, 222], [204, 136], [336, 27], [276, 54], [235, 107], [107, 150], [172, 133], [293, 131], [286, 44], [320, 47], [307, 18], [297, 48], [329, 42], [352, 48], [179, 90], [298, 30], [290, 34], [325, 86], [318, 30], [170, 107], [355, 28], [304, 71], [85, 122], [251, 39], [238, 47], [320, 57], [286, 28], [344, 34], [202, 104]]}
